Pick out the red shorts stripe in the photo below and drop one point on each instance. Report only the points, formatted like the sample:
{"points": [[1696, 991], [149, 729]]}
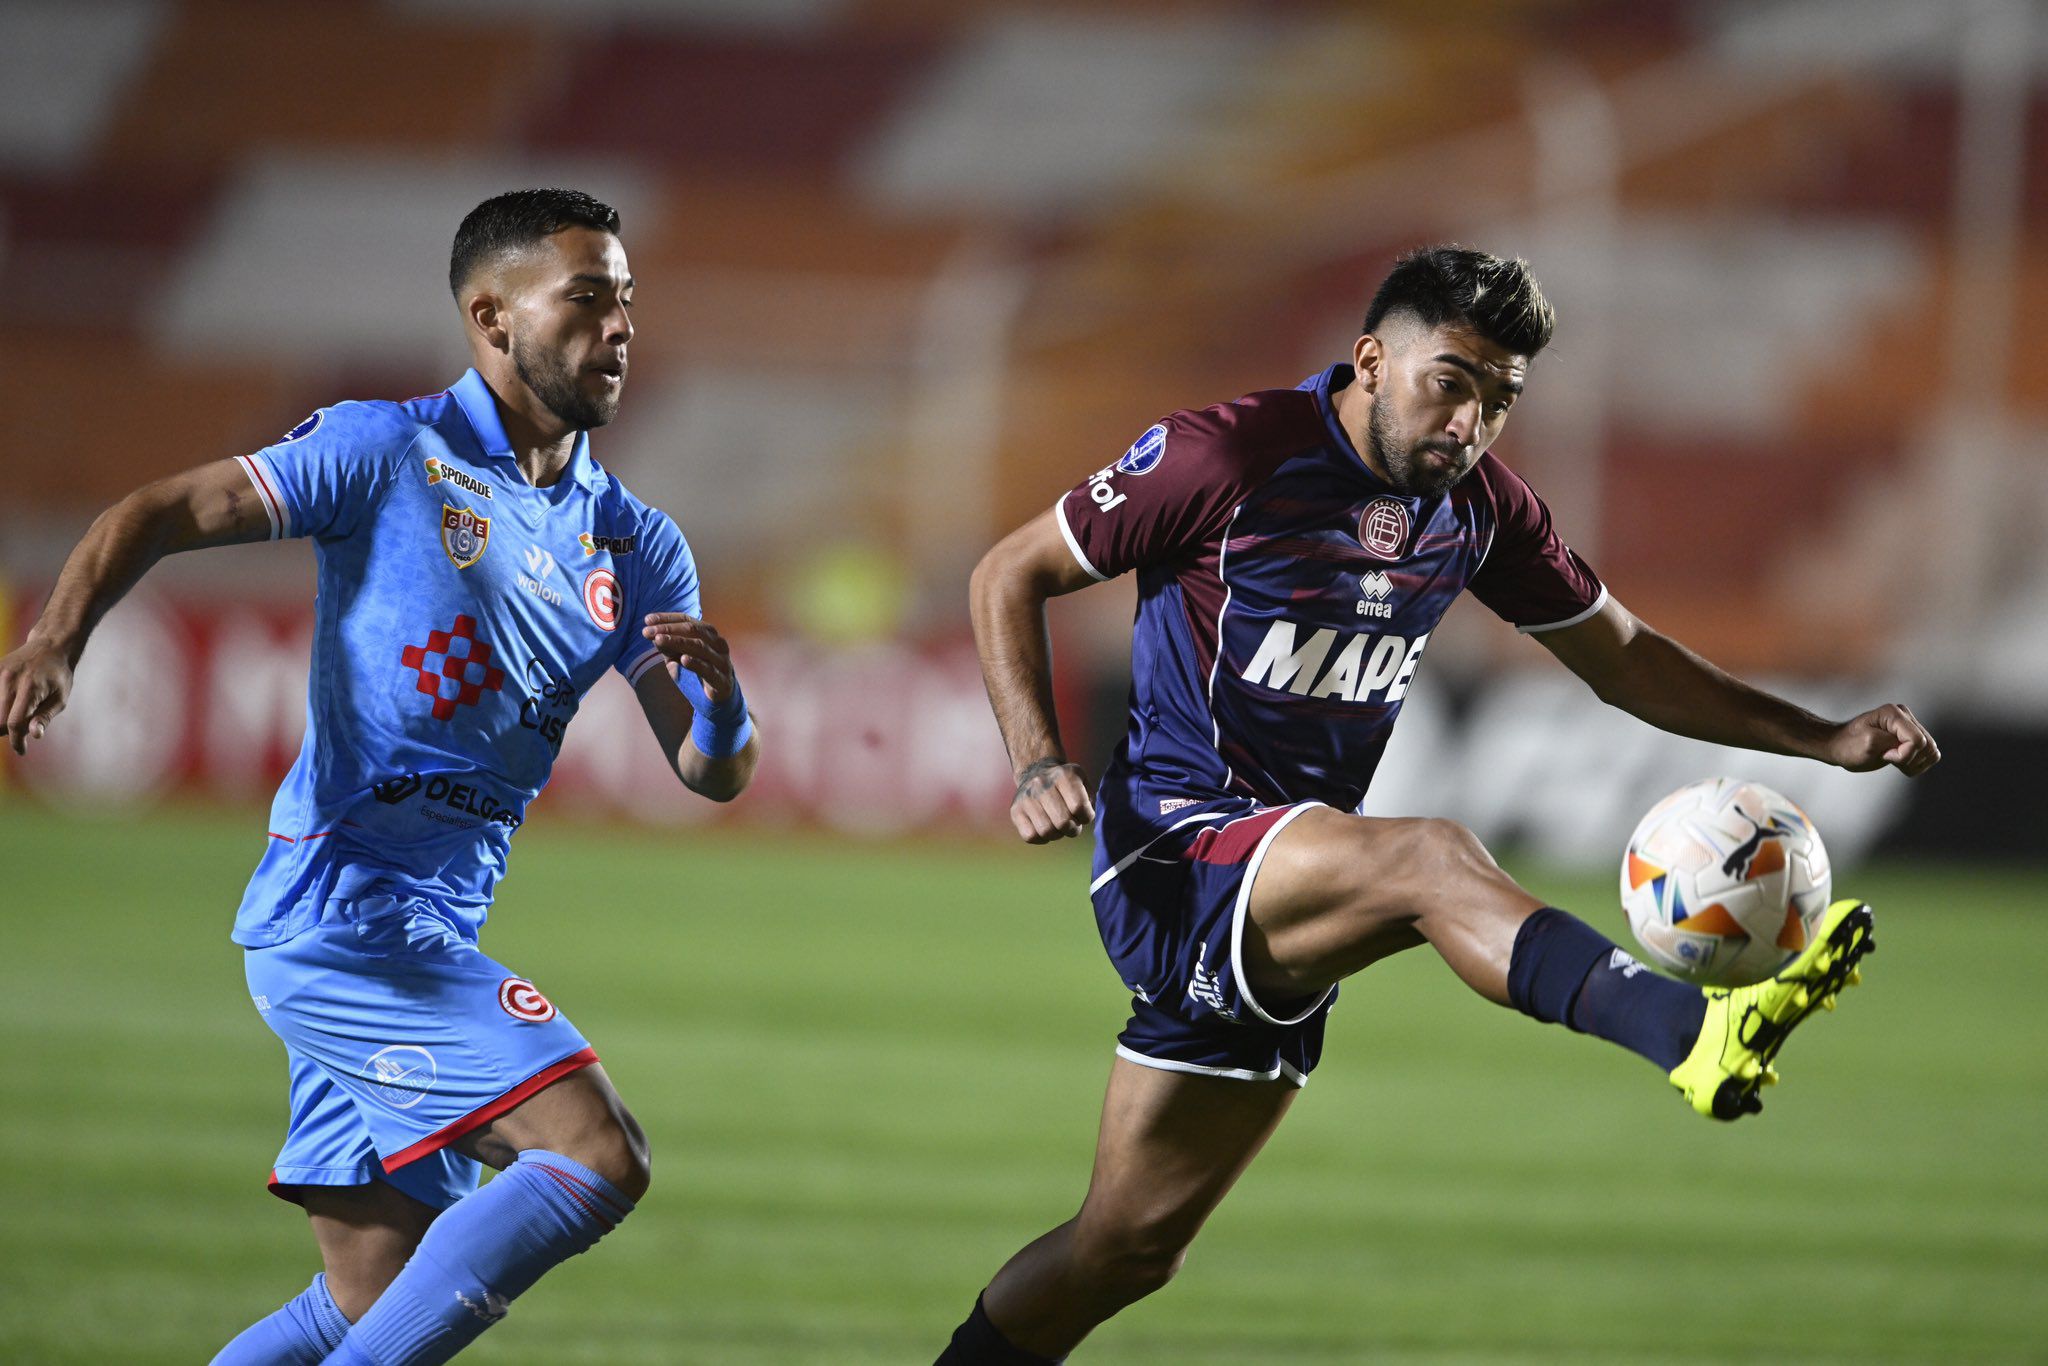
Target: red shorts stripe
{"points": [[484, 1114], [1236, 841]]}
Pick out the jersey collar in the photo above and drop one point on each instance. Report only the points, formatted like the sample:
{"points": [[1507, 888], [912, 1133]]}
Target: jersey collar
{"points": [[480, 406], [1323, 386]]}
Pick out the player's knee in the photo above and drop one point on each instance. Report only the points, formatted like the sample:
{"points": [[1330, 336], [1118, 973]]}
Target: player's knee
{"points": [[631, 1158], [617, 1150], [1445, 853], [1130, 1262]]}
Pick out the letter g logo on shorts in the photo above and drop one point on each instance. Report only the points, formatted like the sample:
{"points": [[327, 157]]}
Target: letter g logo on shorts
{"points": [[522, 1001]]}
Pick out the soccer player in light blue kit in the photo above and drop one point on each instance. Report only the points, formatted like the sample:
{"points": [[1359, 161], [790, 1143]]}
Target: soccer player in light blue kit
{"points": [[478, 574]]}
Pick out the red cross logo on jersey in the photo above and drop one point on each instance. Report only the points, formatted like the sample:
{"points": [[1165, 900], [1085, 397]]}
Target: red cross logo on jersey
{"points": [[442, 661], [1383, 529]]}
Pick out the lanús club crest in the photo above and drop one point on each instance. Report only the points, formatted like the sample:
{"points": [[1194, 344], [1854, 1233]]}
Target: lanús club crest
{"points": [[464, 535], [1383, 529]]}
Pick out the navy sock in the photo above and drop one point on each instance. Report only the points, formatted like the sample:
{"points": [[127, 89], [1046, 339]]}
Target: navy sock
{"points": [[978, 1342], [1563, 971], [300, 1334]]}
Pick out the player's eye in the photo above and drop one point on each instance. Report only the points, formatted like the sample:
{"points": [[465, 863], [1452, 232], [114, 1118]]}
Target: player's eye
{"points": [[1497, 409], [1447, 384]]}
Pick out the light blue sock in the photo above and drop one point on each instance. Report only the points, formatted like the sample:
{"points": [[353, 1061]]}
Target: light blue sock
{"points": [[479, 1256], [300, 1334]]}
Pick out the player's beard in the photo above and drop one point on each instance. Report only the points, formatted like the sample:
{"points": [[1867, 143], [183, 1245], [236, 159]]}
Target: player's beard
{"points": [[554, 384], [1407, 474]]}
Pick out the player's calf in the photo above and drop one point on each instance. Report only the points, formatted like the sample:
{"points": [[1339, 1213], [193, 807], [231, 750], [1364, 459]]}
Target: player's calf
{"points": [[1061, 1287], [481, 1255]]}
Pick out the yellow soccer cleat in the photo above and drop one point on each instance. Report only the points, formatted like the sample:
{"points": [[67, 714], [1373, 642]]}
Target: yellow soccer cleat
{"points": [[1746, 1026]]}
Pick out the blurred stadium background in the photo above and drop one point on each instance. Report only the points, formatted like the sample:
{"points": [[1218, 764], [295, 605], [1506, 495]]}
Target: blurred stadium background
{"points": [[908, 270]]}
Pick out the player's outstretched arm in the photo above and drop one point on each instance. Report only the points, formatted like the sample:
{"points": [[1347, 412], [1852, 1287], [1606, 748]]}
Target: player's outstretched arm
{"points": [[1652, 676], [695, 708], [212, 505], [1006, 597]]}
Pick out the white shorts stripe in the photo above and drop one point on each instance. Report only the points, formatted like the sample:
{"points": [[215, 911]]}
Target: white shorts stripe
{"points": [[1201, 1070], [1243, 908], [1128, 859]]}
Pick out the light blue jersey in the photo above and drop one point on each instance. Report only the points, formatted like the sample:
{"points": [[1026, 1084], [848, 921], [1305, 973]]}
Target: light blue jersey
{"points": [[462, 616]]}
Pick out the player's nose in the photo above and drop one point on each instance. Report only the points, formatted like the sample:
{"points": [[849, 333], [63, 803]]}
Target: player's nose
{"points": [[1464, 424], [618, 328]]}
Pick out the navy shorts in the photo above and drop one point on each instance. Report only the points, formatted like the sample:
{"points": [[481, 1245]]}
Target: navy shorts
{"points": [[401, 1037], [1172, 915]]}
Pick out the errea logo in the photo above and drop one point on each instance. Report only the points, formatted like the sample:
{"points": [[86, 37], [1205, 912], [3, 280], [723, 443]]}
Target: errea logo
{"points": [[1377, 588]]}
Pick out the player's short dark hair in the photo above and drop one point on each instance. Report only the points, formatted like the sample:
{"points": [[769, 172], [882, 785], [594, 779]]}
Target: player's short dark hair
{"points": [[1442, 284], [517, 219]]}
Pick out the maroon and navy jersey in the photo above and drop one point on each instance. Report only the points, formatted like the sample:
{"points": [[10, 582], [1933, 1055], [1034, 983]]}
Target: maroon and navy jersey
{"points": [[1285, 597]]}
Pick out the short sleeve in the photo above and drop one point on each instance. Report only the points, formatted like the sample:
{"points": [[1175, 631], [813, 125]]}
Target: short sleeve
{"points": [[320, 477], [1530, 577], [660, 575], [1168, 494]]}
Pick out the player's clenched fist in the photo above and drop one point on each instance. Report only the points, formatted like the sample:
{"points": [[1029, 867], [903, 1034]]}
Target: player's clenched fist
{"points": [[695, 645], [1884, 735], [35, 680], [1051, 802]]}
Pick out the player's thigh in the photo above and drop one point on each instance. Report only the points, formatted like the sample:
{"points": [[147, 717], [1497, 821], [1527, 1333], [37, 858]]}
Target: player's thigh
{"points": [[1335, 893], [580, 1115], [1172, 1144], [366, 1234]]}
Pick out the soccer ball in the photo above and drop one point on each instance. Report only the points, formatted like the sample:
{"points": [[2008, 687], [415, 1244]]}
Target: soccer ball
{"points": [[1724, 882]]}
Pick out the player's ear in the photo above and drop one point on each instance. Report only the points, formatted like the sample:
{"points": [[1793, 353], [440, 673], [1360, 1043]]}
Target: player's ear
{"points": [[1369, 360], [485, 313]]}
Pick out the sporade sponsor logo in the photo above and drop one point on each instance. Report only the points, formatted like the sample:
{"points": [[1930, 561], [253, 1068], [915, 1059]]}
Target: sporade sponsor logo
{"points": [[448, 801], [615, 545], [439, 469]]}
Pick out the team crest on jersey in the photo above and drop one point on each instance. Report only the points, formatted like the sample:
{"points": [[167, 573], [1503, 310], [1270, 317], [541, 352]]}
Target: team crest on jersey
{"points": [[601, 598], [1145, 453], [1383, 529], [304, 429], [464, 535]]}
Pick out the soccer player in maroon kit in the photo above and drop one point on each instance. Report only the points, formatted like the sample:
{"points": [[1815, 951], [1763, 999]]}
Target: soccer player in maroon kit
{"points": [[1294, 549]]}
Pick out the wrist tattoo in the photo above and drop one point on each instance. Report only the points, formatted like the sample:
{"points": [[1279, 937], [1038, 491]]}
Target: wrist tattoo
{"points": [[1037, 777]]}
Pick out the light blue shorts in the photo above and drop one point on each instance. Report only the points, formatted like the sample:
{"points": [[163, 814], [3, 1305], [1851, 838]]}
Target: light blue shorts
{"points": [[401, 1036]]}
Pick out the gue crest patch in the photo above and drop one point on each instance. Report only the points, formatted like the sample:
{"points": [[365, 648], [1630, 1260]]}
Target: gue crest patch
{"points": [[464, 535]]}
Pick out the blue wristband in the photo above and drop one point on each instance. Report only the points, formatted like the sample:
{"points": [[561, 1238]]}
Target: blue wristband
{"points": [[719, 729]]}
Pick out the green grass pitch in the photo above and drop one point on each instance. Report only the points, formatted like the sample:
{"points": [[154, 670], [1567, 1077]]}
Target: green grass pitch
{"points": [[870, 1073]]}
